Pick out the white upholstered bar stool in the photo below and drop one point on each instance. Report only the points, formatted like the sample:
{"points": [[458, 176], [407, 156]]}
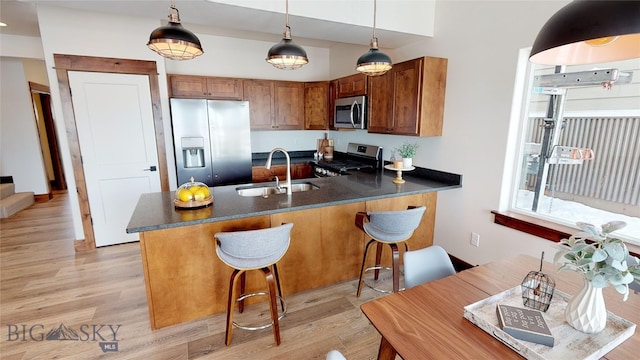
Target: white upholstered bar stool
{"points": [[254, 250], [390, 228]]}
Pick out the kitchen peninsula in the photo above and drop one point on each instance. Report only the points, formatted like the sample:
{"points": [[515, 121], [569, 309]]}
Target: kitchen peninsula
{"points": [[184, 278]]}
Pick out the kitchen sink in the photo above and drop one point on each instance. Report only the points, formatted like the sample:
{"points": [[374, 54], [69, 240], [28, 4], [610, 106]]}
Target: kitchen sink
{"points": [[265, 191]]}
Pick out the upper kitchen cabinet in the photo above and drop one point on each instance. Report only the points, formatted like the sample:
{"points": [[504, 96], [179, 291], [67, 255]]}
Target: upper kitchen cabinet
{"points": [[202, 87], [275, 105], [317, 105], [289, 105], [352, 85], [409, 99]]}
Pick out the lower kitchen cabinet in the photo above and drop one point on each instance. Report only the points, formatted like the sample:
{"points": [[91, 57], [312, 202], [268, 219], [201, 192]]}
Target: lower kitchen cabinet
{"points": [[298, 171], [262, 174], [185, 280], [301, 171]]}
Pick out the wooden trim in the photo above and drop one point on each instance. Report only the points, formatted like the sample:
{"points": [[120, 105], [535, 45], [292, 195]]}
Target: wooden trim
{"points": [[106, 65], [543, 229], [529, 227], [42, 198], [39, 88], [64, 64]]}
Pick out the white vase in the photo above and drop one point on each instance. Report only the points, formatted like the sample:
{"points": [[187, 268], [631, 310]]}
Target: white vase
{"points": [[586, 311], [407, 162]]}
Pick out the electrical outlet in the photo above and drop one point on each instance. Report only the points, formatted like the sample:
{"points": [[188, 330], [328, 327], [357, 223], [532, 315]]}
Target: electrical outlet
{"points": [[475, 239]]}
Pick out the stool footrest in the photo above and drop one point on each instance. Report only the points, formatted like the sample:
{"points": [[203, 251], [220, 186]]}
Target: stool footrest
{"points": [[242, 297], [369, 269]]}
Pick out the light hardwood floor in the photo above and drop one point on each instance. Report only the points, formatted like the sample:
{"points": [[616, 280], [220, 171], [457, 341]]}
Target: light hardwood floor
{"points": [[45, 283]]}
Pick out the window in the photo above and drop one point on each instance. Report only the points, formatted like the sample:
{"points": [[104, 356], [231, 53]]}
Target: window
{"points": [[576, 137]]}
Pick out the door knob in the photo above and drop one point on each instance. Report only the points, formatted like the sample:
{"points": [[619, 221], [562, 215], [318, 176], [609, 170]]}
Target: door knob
{"points": [[151, 168]]}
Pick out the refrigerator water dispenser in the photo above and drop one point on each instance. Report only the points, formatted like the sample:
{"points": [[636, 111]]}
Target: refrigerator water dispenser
{"points": [[193, 152]]}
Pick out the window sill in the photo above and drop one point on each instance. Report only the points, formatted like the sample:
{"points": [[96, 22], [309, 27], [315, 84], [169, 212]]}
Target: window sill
{"points": [[544, 229]]}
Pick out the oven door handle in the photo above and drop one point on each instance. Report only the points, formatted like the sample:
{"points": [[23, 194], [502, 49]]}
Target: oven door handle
{"points": [[354, 106]]}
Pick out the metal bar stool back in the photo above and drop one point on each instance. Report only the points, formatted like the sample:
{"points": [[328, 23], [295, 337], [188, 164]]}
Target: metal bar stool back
{"points": [[254, 250], [390, 228]]}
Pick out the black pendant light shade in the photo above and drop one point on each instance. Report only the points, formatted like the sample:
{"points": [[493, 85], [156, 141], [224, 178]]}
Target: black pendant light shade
{"points": [[173, 41], [286, 54], [586, 32], [374, 62]]}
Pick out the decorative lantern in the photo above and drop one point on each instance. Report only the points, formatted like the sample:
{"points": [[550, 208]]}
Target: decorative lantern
{"points": [[537, 289]]}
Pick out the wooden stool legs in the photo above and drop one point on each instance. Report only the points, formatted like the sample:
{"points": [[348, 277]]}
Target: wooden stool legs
{"points": [[376, 268], [237, 285]]}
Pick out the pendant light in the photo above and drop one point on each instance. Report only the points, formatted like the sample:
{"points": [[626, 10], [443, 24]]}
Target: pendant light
{"points": [[374, 62], [286, 54], [174, 41], [587, 32]]}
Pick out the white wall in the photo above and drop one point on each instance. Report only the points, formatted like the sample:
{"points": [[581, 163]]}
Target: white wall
{"points": [[20, 154]]}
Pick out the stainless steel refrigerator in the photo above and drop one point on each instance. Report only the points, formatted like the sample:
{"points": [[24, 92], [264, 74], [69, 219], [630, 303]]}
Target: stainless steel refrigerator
{"points": [[212, 141]]}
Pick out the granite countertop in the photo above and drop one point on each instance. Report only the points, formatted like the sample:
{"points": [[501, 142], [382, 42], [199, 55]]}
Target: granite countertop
{"points": [[156, 211]]}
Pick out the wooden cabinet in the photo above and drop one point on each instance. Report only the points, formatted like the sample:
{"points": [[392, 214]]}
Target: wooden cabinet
{"points": [[409, 99], [301, 171], [352, 85], [317, 105], [289, 105], [185, 280], [259, 93], [325, 248], [262, 174], [275, 105], [201, 87], [298, 171]]}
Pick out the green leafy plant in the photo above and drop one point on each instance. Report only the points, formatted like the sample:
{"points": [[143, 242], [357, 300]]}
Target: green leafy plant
{"points": [[601, 258], [407, 150]]}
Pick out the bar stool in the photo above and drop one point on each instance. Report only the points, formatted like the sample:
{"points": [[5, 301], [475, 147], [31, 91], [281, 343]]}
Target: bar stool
{"points": [[252, 250], [390, 228]]}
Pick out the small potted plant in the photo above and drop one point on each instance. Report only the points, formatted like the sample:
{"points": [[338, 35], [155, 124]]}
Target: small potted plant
{"points": [[407, 151], [603, 260]]}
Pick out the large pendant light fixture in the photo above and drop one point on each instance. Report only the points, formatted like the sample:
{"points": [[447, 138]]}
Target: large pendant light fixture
{"points": [[286, 54], [374, 62], [173, 41], [587, 32]]}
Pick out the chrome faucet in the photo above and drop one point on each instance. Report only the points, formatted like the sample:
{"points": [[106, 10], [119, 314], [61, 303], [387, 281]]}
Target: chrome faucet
{"points": [[277, 183], [286, 154]]}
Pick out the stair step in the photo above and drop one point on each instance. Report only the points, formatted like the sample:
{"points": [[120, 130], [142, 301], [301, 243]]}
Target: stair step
{"points": [[15, 202], [7, 190]]}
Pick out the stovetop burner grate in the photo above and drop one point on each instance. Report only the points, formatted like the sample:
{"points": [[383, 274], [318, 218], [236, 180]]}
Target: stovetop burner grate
{"points": [[357, 157]]}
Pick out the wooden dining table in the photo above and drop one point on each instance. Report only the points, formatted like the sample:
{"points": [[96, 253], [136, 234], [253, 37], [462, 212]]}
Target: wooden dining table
{"points": [[427, 322]]}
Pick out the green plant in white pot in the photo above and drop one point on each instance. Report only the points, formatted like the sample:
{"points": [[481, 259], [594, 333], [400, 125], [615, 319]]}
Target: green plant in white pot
{"points": [[407, 151], [603, 260]]}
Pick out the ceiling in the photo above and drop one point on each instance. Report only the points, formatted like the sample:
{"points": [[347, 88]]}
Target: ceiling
{"points": [[203, 17]]}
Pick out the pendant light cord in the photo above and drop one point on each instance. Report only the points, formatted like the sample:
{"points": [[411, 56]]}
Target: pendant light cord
{"points": [[374, 19], [287, 12]]}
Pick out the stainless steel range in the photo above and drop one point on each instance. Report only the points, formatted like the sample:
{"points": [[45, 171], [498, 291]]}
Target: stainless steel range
{"points": [[359, 157]]}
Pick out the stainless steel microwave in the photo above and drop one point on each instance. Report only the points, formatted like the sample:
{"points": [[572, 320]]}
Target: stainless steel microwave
{"points": [[351, 112]]}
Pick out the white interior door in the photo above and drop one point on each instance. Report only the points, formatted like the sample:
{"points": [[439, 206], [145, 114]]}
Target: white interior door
{"points": [[115, 127]]}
